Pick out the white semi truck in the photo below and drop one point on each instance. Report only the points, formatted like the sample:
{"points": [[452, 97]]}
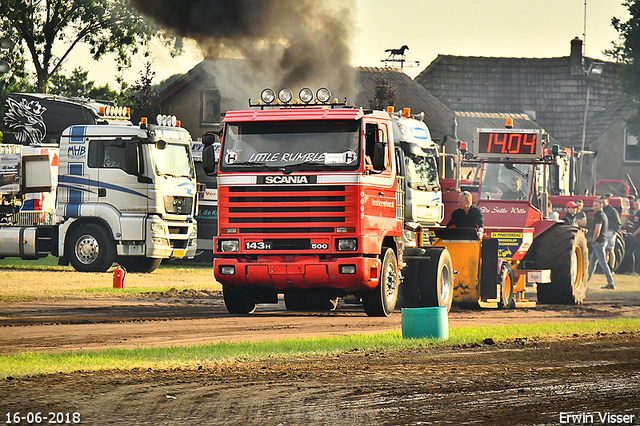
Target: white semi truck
{"points": [[100, 191]]}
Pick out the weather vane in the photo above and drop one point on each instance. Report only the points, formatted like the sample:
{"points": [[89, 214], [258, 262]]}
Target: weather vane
{"points": [[398, 56]]}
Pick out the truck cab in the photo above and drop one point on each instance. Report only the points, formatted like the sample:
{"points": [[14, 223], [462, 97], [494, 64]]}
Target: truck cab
{"points": [[308, 205], [123, 193]]}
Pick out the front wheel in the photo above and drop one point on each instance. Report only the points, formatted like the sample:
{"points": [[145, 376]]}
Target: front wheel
{"points": [[381, 301], [90, 249], [237, 300]]}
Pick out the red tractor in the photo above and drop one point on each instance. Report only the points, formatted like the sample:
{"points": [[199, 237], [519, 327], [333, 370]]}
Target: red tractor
{"points": [[511, 187]]}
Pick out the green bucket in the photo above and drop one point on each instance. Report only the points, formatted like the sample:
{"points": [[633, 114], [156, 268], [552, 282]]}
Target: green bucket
{"points": [[420, 323]]}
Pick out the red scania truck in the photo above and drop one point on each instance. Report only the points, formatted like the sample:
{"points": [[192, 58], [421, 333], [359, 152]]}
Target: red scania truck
{"points": [[310, 204]]}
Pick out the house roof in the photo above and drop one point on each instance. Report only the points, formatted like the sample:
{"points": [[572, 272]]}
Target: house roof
{"points": [[548, 90], [438, 117]]}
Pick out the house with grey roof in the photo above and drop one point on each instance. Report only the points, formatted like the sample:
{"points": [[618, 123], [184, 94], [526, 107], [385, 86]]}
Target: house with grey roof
{"points": [[553, 93]]}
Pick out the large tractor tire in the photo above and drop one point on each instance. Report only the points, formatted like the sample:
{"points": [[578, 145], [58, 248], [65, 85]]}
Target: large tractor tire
{"points": [[437, 288], [237, 300], [381, 301], [90, 248], [507, 298], [428, 278], [139, 264], [563, 249]]}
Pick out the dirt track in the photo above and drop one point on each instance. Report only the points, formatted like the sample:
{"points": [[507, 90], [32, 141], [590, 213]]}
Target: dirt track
{"points": [[523, 382]]}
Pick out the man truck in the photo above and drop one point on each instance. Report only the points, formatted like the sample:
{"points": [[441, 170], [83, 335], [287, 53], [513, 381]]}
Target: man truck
{"points": [[91, 188]]}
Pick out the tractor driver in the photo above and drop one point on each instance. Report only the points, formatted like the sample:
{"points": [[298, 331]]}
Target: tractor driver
{"points": [[514, 192], [466, 215]]}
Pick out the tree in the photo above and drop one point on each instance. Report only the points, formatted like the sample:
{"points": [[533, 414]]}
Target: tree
{"points": [[142, 95], [108, 26], [77, 85], [384, 95], [628, 53]]}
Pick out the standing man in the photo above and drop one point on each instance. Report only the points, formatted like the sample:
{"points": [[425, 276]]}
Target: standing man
{"points": [[636, 237], [466, 215], [570, 217], [581, 217], [598, 243], [614, 227]]}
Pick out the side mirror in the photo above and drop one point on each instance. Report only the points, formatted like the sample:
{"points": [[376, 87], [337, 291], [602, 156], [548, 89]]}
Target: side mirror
{"points": [[131, 162], [208, 139], [380, 158], [209, 161]]}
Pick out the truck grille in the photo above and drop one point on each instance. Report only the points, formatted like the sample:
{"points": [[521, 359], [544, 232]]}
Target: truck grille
{"points": [[309, 209], [178, 205]]}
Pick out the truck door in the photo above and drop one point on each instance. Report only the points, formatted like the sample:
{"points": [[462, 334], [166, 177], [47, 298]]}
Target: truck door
{"points": [[380, 182], [118, 190]]}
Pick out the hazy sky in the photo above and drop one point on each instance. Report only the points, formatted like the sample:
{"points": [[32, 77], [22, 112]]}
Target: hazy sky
{"points": [[499, 28]]}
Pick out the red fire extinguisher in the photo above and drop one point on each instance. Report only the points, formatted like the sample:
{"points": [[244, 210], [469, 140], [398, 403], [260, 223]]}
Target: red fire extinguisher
{"points": [[119, 274]]}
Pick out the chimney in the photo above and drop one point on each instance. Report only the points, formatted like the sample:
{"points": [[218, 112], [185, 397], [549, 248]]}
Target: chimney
{"points": [[576, 63]]}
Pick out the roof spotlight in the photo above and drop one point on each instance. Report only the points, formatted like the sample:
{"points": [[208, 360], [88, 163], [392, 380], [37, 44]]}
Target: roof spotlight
{"points": [[306, 95], [268, 96], [159, 119], [285, 95], [323, 94]]}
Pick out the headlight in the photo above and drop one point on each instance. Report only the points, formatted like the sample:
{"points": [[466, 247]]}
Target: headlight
{"points": [[229, 245], [285, 95], [347, 244], [157, 229], [268, 96], [160, 241], [227, 270], [348, 269], [323, 95], [306, 95]]}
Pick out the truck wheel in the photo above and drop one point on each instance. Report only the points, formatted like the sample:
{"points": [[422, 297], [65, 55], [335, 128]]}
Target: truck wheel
{"points": [[238, 301], [506, 287], [90, 249], [381, 301], [619, 249], [139, 264], [437, 287], [563, 249]]}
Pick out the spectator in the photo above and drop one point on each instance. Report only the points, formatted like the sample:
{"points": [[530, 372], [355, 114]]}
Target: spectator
{"points": [[572, 210], [598, 243], [581, 217], [466, 215], [614, 227], [552, 215], [636, 238]]}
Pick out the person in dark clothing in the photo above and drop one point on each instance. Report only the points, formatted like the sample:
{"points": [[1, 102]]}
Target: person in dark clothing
{"points": [[598, 243], [514, 192], [614, 227], [572, 211], [466, 215]]}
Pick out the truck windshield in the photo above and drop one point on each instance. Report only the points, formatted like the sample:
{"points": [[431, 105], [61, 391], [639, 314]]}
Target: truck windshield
{"points": [[506, 181], [422, 172], [291, 145], [173, 161]]}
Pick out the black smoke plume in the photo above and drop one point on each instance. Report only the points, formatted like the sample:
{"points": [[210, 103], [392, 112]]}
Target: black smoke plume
{"points": [[286, 43]]}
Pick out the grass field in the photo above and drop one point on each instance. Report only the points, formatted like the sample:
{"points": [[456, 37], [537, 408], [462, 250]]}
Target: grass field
{"points": [[29, 364], [44, 279]]}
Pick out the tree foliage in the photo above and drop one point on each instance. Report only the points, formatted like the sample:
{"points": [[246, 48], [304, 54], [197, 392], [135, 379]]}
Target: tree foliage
{"points": [[43, 27], [384, 95], [627, 51], [142, 95], [79, 86]]}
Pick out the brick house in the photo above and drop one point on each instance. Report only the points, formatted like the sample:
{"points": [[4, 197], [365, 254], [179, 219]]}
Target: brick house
{"points": [[553, 93]]}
